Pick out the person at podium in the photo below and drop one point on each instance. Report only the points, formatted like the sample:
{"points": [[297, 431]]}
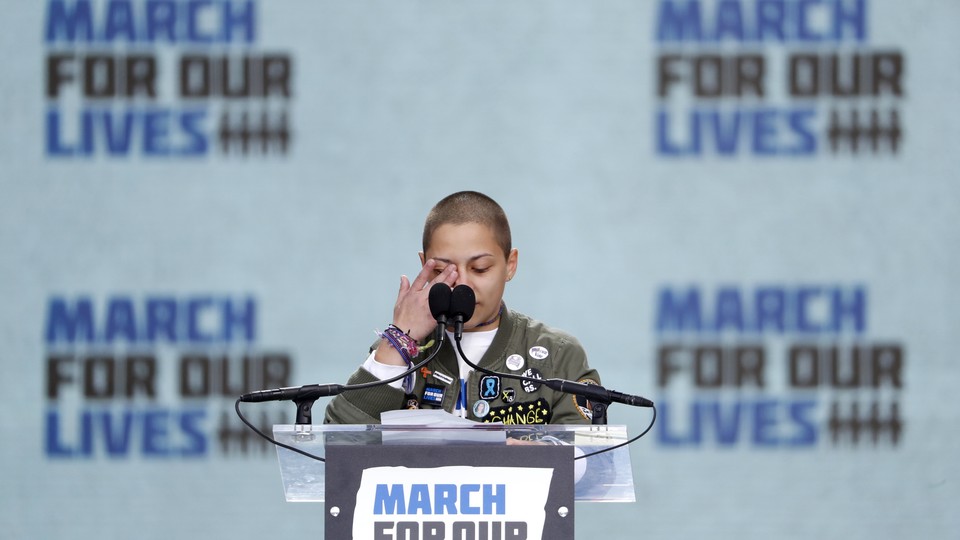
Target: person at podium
{"points": [[467, 241]]}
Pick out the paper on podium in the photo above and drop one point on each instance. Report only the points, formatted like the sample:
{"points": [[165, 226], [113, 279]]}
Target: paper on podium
{"points": [[401, 427]]}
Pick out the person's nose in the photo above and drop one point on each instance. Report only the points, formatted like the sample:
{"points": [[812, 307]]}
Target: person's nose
{"points": [[463, 279]]}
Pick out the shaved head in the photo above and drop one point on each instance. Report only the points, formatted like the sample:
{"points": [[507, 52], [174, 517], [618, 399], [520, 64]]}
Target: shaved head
{"points": [[469, 207]]}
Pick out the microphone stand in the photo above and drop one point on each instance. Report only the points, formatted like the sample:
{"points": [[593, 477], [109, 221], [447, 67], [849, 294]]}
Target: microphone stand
{"points": [[306, 396], [599, 400]]}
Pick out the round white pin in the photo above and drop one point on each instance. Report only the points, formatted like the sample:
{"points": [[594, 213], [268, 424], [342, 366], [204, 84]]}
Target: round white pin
{"points": [[539, 352]]}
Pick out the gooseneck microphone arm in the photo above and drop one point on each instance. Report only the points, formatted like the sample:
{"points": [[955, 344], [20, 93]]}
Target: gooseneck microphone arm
{"points": [[593, 392], [462, 305], [305, 396], [315, 391]]}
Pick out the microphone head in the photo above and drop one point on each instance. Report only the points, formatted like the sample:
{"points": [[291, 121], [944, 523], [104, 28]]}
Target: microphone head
{"points": [[462, 302], [439, 300]]}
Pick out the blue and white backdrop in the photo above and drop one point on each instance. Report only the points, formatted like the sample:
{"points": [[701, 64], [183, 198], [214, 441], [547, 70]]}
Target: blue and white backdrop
{"points": [[745, 209]]}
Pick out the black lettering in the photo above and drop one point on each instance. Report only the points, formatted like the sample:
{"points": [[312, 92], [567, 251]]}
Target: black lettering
{"points": [[712, 75], [56, 375], [194, 375]]}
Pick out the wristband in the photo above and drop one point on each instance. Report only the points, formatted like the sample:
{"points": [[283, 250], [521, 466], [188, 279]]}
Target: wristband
{"points": [[405, 345]]}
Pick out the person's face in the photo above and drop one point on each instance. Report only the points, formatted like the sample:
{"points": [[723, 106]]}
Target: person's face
{"points": [[480, 264]]}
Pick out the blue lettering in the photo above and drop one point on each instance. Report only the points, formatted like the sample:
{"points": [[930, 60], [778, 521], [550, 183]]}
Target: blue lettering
{"points": [[119, 23], [446, 499], [118, 137], [192, 124], [801, 309], [852, 18], [679, 21], [243, 319], [117, 437], [804, 32], [809, 21], [494, 495], [800, 412], [70, 324], [115, 131], [807, 143], [465, 491], [202, 319], [156, 130], [55, 146], [68, 25], [729, 20], [194, 332], [389, 500], [727, 426], [667, 437], [120, 434], [727, 139], [669, 147], [161, 319], [804, 295], [419, 500], [155, 434], [678, 311], [765, 132], [770, 306], [759, 423], [759, 131], [729, 310], [196, 21], [765, 422], [771, 18], [849, 309], [120, 320], [194, 33], [241, 22], [190, 425], [54, 446], [161, 20]]}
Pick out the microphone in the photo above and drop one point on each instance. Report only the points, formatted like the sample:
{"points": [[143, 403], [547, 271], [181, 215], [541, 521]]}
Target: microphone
{"points": [[294, 393], [596, 392], [463, 302], [439, 300]]}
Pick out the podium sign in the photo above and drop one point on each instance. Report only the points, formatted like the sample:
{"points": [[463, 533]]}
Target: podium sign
{"points": [[397, 482], [449, 491]]}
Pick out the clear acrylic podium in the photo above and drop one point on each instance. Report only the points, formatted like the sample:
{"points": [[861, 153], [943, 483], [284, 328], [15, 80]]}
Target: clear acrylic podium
{"points": [[442, 455]]}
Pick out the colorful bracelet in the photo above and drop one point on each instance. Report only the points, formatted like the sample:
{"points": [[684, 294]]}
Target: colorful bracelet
{"points": [[406, 346], [402, 342]]}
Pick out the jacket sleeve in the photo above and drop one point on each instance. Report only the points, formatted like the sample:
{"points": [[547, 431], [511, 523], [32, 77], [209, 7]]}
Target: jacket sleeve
{"points": [[363, 406], [572, 365]]}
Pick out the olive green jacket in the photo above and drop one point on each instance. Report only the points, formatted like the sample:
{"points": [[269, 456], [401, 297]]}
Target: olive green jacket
{"points": [[521, 346]]}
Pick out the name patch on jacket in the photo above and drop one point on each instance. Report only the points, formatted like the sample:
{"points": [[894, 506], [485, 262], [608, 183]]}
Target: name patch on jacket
{"points": [[531, 412]]}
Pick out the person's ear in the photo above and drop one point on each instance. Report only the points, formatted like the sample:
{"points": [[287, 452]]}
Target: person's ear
{"points": [[512, 263], [423, 259]]}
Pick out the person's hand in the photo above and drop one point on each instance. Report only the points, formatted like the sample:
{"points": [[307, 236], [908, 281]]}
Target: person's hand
{"points": [[411, 313]]}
